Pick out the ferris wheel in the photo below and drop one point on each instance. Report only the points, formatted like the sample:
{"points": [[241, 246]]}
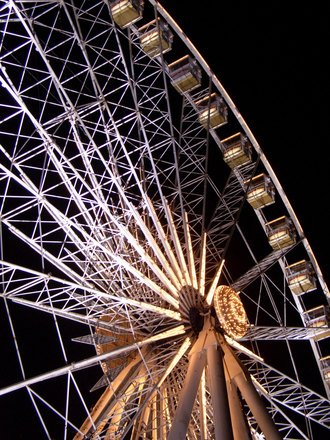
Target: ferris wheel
{"points": [[155, 281]]}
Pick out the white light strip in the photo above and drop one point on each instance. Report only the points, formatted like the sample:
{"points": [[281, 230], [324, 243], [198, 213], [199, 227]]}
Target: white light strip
{"points": [[202, 406], [178, 247], [213, 287], [177, 271], [191, 261], [202, 267], [180, 330], [184, 347]]}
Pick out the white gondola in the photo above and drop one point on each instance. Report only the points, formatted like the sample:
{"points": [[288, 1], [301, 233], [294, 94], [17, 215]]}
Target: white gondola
{"points": [[212, 111], [325, 365], [301, 277], [281, 233], [155, 38], [126, 12], [318, 317], [260, 191], [236, 150], [185, 74]]}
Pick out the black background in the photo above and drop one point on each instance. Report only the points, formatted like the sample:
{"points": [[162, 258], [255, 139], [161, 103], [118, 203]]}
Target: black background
{"points": [[273, 63]]}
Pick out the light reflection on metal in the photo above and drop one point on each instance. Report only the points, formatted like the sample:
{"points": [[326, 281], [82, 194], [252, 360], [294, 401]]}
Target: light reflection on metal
{"points": [[202, 406], [177, 331], [184, 347], [202, 266], [211, 292], [178, 247], [191, 261], [240, 347]]}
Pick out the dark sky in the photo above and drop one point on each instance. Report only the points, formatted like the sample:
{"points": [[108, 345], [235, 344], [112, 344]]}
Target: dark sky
{"points": [[272, 62]]}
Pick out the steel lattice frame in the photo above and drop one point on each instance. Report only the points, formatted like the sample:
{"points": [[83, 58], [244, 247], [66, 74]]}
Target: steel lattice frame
{"points": [[117, 214]]}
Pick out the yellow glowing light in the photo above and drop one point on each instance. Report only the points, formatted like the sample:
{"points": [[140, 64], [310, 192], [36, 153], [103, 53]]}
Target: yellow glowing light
{"points": [[230, 312]]}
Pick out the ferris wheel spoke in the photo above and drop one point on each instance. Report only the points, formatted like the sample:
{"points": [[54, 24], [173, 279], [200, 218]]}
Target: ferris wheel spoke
{"points": [[191, 262], [168, 249], [94, 360], [101, 412], [95, 317], [283, 333], [210, 294], [261, 267], [116, 259], [74, 297], [178, 247], [110, 409], [95, 321]]}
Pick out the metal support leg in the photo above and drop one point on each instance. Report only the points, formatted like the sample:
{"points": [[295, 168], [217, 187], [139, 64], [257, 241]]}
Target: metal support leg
{"points": [[222, 420], [187, 396], [257, 408], [202, 408], [239, 423], [242, 380]]}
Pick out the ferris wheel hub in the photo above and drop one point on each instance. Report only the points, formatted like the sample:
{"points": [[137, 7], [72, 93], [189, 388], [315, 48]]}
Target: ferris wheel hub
{"points": [[196, 319]]}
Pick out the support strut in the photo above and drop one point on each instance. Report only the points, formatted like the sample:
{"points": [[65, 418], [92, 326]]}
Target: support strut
{"points": [[244, 383], [222, 420], [187, 397], [226, 375], [240, 427]]}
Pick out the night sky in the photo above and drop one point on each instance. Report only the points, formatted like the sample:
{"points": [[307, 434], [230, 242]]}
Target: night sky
{"points": [[272, 62]]}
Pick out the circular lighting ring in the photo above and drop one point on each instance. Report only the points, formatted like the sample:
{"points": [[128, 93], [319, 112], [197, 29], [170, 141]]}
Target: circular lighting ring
{"points": [[230, 312]]}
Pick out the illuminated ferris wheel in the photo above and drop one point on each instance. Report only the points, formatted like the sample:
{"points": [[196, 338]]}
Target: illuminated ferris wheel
{"points": [[148, 252]]}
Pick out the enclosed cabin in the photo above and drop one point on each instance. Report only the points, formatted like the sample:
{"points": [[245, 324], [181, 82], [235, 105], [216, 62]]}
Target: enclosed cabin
{"points": [[126, 12], [301, 277], [155, 38], [319, 318], [185, 74], [325, 367], [236, 150], [281, 233], [260, 191], [212, 111]]}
